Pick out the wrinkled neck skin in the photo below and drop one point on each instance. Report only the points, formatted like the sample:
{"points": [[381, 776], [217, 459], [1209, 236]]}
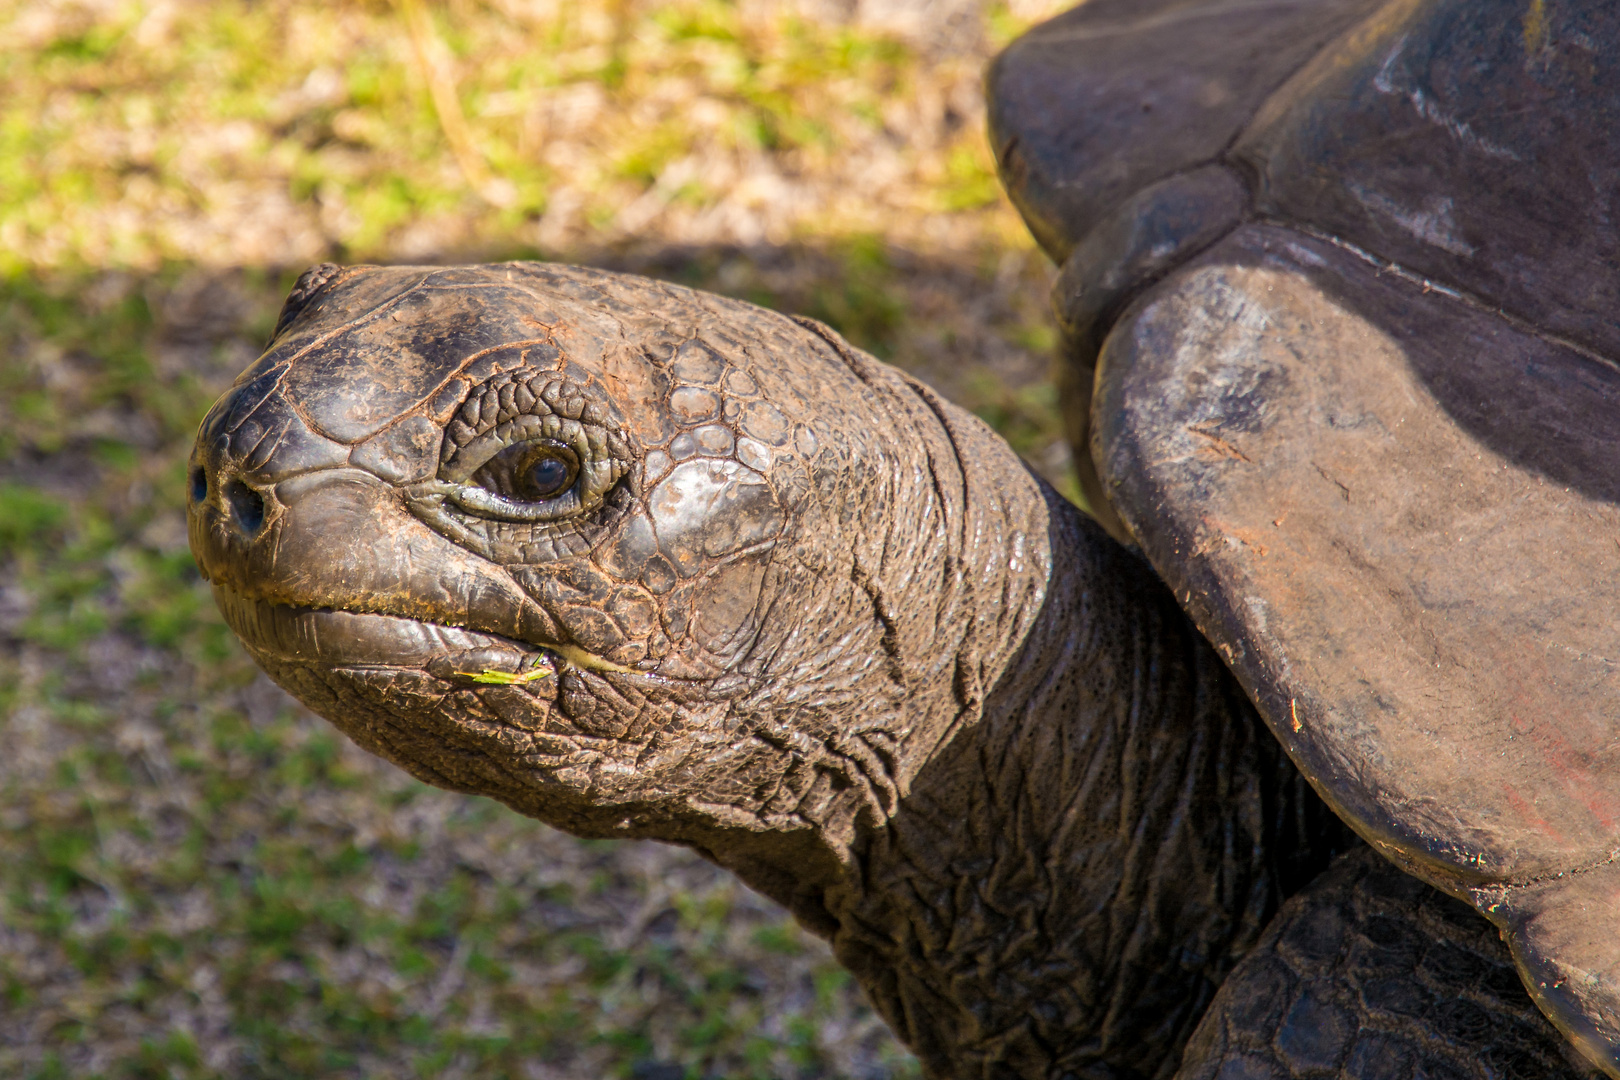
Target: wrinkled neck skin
{"points": [[1063, 821], [936, 573]]}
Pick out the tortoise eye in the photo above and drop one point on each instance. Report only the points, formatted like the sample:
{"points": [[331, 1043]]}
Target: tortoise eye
{"points": [[529, 472], [547, 477], [539, 467]]}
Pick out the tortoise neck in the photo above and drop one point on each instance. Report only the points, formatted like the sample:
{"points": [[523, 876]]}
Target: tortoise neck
{"points": [[1082, 822], [940, 578], [1067, 880], [956, 571]]}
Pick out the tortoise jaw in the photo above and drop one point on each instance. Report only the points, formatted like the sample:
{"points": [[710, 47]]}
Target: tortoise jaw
{"points": [[337, 638], [470, 710]]}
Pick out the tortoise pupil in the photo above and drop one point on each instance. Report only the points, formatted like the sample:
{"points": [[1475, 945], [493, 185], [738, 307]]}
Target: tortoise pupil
{"points": [[547, 477]]}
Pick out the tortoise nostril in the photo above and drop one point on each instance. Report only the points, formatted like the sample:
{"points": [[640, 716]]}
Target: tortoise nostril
{"points": [[247, 506], [199, 484]]}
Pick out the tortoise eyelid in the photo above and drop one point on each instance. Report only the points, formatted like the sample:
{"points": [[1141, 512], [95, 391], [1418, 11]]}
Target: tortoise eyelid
{"points": [[497, 488]]}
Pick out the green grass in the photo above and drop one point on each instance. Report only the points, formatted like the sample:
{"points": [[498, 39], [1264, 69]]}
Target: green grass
{"points": [[272, 133], [197, 877]]}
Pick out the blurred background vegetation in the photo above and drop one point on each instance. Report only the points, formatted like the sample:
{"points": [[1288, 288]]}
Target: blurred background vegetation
{"points": [[198, 878]]}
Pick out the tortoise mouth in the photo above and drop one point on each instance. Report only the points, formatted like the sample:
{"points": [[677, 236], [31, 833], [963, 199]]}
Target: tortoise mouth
{"points": [[334, 638]]}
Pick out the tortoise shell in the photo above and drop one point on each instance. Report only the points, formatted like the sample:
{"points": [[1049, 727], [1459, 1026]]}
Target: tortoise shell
{"points": [[1342, 315]]}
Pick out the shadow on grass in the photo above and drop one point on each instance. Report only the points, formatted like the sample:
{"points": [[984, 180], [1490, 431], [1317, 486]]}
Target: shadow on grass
{"points": [[199, 879]]}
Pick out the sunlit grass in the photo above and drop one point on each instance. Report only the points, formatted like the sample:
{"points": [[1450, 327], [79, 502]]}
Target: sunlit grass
{"points": [[276, 133]]}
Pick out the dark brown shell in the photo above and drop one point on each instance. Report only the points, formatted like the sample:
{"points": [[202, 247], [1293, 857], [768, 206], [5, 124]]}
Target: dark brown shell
{"points": [[1347, 272]]}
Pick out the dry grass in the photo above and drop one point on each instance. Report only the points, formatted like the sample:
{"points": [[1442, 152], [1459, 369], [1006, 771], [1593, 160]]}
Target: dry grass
{"points": [[197, 878]]}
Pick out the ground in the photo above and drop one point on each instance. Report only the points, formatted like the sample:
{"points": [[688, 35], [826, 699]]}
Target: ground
{"points": [[197, 877]]}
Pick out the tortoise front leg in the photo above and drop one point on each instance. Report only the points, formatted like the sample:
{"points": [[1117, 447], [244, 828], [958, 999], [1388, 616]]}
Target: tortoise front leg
{"points": [[1370, 973]]}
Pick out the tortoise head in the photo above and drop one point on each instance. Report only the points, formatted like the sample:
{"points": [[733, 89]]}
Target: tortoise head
{"points": [[633, 559]]}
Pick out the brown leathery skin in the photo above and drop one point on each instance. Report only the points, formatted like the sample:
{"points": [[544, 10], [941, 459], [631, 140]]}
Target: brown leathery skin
{"points": [[794, 611]]}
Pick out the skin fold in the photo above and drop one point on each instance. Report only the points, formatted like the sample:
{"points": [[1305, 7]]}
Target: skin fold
{"points": [[778, 603]]}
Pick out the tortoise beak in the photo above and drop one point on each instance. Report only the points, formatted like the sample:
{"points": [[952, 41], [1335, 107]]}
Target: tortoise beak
{"points": [[342, 539], [281, 635]]}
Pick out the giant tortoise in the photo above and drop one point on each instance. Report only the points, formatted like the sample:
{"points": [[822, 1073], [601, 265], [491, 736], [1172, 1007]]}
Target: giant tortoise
{"points": [[644, 562]]}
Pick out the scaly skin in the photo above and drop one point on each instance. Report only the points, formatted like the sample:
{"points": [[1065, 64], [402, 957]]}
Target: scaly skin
{"points": [[1368, 973], [794, 611]]}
